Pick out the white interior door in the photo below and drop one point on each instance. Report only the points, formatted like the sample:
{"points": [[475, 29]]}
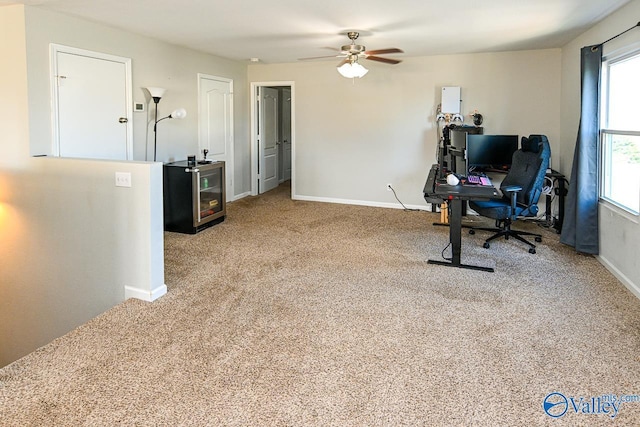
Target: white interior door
{"points": [[91, 105], [215, 123], [268, 139], [286, 133]]}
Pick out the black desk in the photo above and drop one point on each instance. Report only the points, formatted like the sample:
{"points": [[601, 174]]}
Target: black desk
{"points": [[455, 195]]}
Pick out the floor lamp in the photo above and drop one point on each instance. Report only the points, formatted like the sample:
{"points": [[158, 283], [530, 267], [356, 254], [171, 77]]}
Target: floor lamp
{"points": [[156, 93]]}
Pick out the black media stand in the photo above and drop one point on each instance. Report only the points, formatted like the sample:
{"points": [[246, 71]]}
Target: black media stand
{"points": [[194, 196]]}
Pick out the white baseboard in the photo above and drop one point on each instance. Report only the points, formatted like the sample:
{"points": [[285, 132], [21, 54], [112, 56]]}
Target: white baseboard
{"points": [[144, 295], [240, 196], [633, 287], [396, 205]]}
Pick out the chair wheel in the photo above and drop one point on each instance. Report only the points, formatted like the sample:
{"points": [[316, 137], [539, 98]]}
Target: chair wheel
{"points": [[472, 231], [538, 239], [486, 245], [532, 251]]}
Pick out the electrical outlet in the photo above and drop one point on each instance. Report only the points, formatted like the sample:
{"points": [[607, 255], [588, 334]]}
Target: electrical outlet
{"points": [[123, 179], [389, 187]]}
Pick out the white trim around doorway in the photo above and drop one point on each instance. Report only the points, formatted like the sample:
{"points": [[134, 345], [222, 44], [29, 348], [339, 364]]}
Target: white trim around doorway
{"points": [[254, 152]]}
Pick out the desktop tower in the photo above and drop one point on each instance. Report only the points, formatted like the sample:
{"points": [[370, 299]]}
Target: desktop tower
{"points": [[458, 160]]}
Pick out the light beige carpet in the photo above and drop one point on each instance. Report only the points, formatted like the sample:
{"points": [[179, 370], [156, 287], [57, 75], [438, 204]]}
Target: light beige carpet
{"points": [[295, 313]]}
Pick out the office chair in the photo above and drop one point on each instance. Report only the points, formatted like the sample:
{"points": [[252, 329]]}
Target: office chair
{"points": [[521, 189]]}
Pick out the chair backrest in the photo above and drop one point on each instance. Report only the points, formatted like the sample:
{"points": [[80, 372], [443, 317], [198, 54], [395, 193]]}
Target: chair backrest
{"points": [[528, 169]]}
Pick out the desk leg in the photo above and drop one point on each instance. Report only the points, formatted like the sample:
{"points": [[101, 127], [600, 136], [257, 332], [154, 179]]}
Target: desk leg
{"points": [[455, 238], [455, 230]]}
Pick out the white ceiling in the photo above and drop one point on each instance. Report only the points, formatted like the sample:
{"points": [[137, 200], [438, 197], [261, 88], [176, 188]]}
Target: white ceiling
{"points": [[285, 30]]}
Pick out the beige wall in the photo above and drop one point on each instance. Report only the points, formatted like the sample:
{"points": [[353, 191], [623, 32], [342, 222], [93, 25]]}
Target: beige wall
{"points": [[354, 137], [154, 63], [619, 231], [72, 244], [13, 81]]}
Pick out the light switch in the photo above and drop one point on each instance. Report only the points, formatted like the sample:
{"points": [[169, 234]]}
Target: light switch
{"points": [[123, 179]]}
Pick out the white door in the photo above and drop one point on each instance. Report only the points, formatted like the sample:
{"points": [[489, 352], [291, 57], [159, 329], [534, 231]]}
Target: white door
{"points": [[215, 123], [286, 133], [91, 105], [268, 139]]}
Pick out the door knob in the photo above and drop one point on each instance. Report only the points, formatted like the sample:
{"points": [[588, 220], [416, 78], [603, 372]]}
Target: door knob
{"points": [[123, 120]]}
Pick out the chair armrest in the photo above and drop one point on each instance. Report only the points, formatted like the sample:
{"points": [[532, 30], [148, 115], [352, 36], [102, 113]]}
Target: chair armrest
{"points": [[512, 191], [511, 188]]}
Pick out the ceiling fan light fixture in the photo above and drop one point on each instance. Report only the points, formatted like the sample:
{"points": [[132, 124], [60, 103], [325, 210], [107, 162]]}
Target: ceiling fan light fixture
{"points": [[352, 70]]}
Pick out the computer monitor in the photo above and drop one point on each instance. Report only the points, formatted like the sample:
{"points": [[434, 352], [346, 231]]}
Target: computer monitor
{"points": [[490, 151]]}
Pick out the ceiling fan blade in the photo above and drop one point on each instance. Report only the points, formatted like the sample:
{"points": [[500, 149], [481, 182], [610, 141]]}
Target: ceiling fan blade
{"points": [[385, 60], [383, 51], [320, 57]]}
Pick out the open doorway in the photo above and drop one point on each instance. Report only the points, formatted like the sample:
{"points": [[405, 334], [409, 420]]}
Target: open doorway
{"points": [[272, 136]]}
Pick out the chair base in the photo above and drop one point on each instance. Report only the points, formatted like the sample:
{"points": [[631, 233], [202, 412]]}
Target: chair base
{"points": [[503, 229]]}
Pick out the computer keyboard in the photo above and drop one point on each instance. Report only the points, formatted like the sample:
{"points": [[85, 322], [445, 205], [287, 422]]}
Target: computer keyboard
{"points": [[473, 179], [478, 180]]}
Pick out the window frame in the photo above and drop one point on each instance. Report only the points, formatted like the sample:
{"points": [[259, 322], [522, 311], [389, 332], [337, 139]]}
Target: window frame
{"points": [[605, 131]]}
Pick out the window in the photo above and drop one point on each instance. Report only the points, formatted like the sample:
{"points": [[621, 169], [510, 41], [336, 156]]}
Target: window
{"points": [[620, 132]]}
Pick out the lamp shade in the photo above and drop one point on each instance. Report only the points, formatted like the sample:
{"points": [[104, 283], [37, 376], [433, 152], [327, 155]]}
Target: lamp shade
{"points": [[352, 69], [180, 113], [156, 92]]}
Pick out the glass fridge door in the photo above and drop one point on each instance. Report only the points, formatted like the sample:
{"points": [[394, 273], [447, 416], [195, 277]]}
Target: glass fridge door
{"points": [[209, 193]]}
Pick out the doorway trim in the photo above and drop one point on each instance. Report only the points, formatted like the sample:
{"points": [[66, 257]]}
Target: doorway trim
{"points": [[53, 65], [254, 152]]}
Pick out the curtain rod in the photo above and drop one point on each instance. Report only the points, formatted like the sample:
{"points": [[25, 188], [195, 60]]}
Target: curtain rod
{"points": [[616, 36]]}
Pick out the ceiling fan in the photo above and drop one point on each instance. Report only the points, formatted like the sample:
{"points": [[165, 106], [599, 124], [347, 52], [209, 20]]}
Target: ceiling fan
{"points": [[349, 67]]}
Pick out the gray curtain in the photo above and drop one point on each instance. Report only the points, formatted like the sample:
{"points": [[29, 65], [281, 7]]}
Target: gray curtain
{"points": [[580, 226]]}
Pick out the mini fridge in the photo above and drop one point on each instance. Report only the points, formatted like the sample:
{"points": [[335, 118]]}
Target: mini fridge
{"points": [[194, 196]]}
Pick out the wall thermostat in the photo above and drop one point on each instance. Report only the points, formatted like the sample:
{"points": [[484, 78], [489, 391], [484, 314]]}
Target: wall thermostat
{"points": [[138, 106]]}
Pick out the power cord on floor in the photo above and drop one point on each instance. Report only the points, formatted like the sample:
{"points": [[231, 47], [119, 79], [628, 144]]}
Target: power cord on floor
{"points": [[419, 210], [405, 208], [444, 250]]}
